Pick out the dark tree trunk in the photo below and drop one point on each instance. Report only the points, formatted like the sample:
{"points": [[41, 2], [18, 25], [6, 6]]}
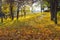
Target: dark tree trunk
{"points": [[53, 9], [56, 5], [11, 9], [41, 8], [1, 11], [18, 12], [1, 19], [24, 11]]}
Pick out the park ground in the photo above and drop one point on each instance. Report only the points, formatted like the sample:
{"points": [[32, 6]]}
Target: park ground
{"points": [[37, 26]]}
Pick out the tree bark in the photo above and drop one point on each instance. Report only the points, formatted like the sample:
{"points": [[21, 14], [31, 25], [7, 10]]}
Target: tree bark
{"points": [[1, 11], [11, 10], [24, 11], [18, 11], [53, 9], [56, 5]]}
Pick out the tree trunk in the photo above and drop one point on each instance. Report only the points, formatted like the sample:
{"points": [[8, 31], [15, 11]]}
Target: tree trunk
{"points": [[18, 12], [24, 11], [11, 11], [1, 19], [56, 4], [1, 11], [53, 9]]}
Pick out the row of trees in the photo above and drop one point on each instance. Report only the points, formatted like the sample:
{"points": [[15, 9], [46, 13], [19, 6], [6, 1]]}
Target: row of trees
{"points": [[21, 3], [13, 4], [54, 8], [16, 5]]}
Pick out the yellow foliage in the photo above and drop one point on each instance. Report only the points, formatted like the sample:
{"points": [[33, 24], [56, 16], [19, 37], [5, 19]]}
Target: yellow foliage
{"points": [[14, 8], [26, 8], [5, 8]]}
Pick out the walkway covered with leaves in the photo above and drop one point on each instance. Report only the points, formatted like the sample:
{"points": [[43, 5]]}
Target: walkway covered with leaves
{"points": [[32, 27]]}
